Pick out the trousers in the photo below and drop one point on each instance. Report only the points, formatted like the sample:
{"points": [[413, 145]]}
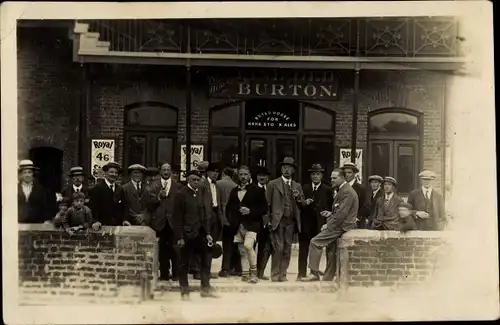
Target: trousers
{"points": [[264, 250], [168, 254], [195, 247], [320, 241], [231, 259], [281, 243]]}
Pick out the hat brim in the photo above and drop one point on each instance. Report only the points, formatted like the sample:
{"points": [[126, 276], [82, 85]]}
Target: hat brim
{"points": [[287, 164], [316, 170], [427, 178], [27, 167], [77, 174], [390, 182], [354, 169]]}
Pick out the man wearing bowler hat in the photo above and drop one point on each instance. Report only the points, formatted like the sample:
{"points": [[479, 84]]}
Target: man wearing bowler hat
{"points": [[137, 197], [428, 204], [386, 209], [264, 248], [106, 198], [376, 192], [363, 210], [77, 177], [318, 198], [32, 200], [284, 197]]}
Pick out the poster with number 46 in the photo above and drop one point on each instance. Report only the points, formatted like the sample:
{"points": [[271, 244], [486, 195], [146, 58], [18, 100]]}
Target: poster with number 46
{"points": [[102, 151]]}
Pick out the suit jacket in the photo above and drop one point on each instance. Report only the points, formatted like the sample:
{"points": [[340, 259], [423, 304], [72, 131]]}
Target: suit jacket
{"points": [[364, 205], [35, 208], [373, 201], [224, 187], [106, 205], [137, 202], [437, 216], [387, 217], [275, 197], [163, 208], [345, 209], [189, 216], [68, 191], [255, 200], [310, 216]]}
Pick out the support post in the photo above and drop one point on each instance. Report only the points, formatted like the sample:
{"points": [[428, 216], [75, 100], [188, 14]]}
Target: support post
{"points": [[82, 120], [188, 104], [355, 102]]}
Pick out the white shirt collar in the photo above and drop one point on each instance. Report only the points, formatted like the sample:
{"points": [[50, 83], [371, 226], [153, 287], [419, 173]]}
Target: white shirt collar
{"points": [[108, 183], [287, 181], [425, 190], [165, 182], [77, 187], [342, 185], [192, 188], [376, 191], [261, 186], [136, 183], [352, 182], [316, 186], [388, 196]]}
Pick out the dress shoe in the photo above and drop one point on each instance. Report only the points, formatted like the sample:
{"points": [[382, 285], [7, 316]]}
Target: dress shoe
{"points": [[245, 278], [300, 277], [197, 276], [311, 278], [234, 273], [185, 296], [214, 276], [283, 279], [275, 279], [263, 277], [208, 294], [321, 273], [223, 274]]}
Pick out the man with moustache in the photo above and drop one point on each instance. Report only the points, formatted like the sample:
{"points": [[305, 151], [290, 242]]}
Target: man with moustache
{"points": [[162, 206], [263, 241], [245, 207], [284, 197], [231, 260], [32, 200], [428, 204], [386, 210], [106, 199], [77, 177], [192, 233], [341, 219], [137, 197], [318, 198], [351, 170], [375, 193]]}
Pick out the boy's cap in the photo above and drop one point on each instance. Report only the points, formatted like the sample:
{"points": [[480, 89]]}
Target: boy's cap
{"points": [[78, 195]]}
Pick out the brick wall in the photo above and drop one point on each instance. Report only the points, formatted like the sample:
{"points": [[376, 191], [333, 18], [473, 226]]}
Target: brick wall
{"points": [[48, 95], [389, 258], [108, 264]]}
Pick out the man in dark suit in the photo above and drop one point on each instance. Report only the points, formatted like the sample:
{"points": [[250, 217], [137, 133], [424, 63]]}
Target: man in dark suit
{"points": [[32, 200], [246, 205], [428, 204], [318, 198], [264, 248], [162, 206], [284, 197], [106, 198], [77, 176], [375, 193], [342, 218], [231, 260], [192, 233], [137, 198], [386, 209], [351, 170]]}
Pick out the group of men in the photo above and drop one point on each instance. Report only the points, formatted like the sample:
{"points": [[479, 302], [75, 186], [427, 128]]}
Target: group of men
{"points": [[255, 220]]}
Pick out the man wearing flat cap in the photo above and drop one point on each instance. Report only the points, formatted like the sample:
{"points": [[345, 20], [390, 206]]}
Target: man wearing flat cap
{"points": [[137, 197], [386, 209], [318, 198], [106, 198], [284, 197], [363, 211], [77, 176], [264, 248], [32, 198], [375, 193], [428, 204]]}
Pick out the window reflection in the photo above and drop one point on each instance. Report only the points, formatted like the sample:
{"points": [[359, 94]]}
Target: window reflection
{"points": [[394, 123], [151, 116]]}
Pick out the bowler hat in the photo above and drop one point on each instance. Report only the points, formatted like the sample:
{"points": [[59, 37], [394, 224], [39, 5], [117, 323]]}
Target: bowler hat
{"points": [[139, 167], [213, 166], [76, 171], [288, 161], [391, 180], [152, 171], [203, 165], [111, 164], [404, 204], [26, 164], [316, 168], [350, 165], [261, 170], [216, 250], [427, 174], [375, 178], [193, 172]]}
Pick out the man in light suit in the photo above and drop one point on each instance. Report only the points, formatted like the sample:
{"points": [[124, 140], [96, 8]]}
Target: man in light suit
{"points": [[231, 260], [137, 198], [164, 191], [341, 219], [284, 197], [428, 204]]}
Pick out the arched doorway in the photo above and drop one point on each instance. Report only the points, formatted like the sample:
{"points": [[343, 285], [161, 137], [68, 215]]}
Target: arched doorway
{"points": [[49, 162], [264, 131]]}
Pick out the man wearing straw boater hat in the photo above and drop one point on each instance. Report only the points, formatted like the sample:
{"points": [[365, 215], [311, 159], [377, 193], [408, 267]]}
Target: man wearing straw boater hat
{"points": [[284, 197], [106, 198], [77, 176], [386, 209], [318, 198], [428, 204], [376, 191], [32, 200], [363, 212], [137, 197]]}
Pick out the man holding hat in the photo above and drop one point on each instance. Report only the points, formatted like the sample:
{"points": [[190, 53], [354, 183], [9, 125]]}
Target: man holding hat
{"points": [[363, 211], [386, 209], [318, 198], [106, 198], [137, 197], [284, 197], [375, 193], [32, 200], [264, 248], [428, 204], [77, 177]]}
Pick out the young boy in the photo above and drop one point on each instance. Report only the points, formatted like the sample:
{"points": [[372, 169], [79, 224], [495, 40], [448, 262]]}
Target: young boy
{"points": [[78, 215], [406, 221], [60, 217]]}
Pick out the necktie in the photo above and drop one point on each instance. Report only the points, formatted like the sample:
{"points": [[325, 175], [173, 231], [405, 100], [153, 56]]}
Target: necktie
{"points": [[315, 188], [112, 187], [427, 195], [77, 190]]}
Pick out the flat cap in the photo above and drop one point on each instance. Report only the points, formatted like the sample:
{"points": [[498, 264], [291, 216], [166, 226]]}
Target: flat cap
{"points": [[350, 165], [404, 204], [111, 164], [203, 165], [375, 178], [389, 179], [26, 164], [427, 174], [139, 167], [75, 171]]}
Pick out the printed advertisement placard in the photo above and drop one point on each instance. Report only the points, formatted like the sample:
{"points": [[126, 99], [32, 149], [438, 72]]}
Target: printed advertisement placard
{"points": [[102, 151]]}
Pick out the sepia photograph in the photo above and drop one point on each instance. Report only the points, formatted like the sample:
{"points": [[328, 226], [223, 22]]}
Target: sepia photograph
{"points": [[225, 162]]}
